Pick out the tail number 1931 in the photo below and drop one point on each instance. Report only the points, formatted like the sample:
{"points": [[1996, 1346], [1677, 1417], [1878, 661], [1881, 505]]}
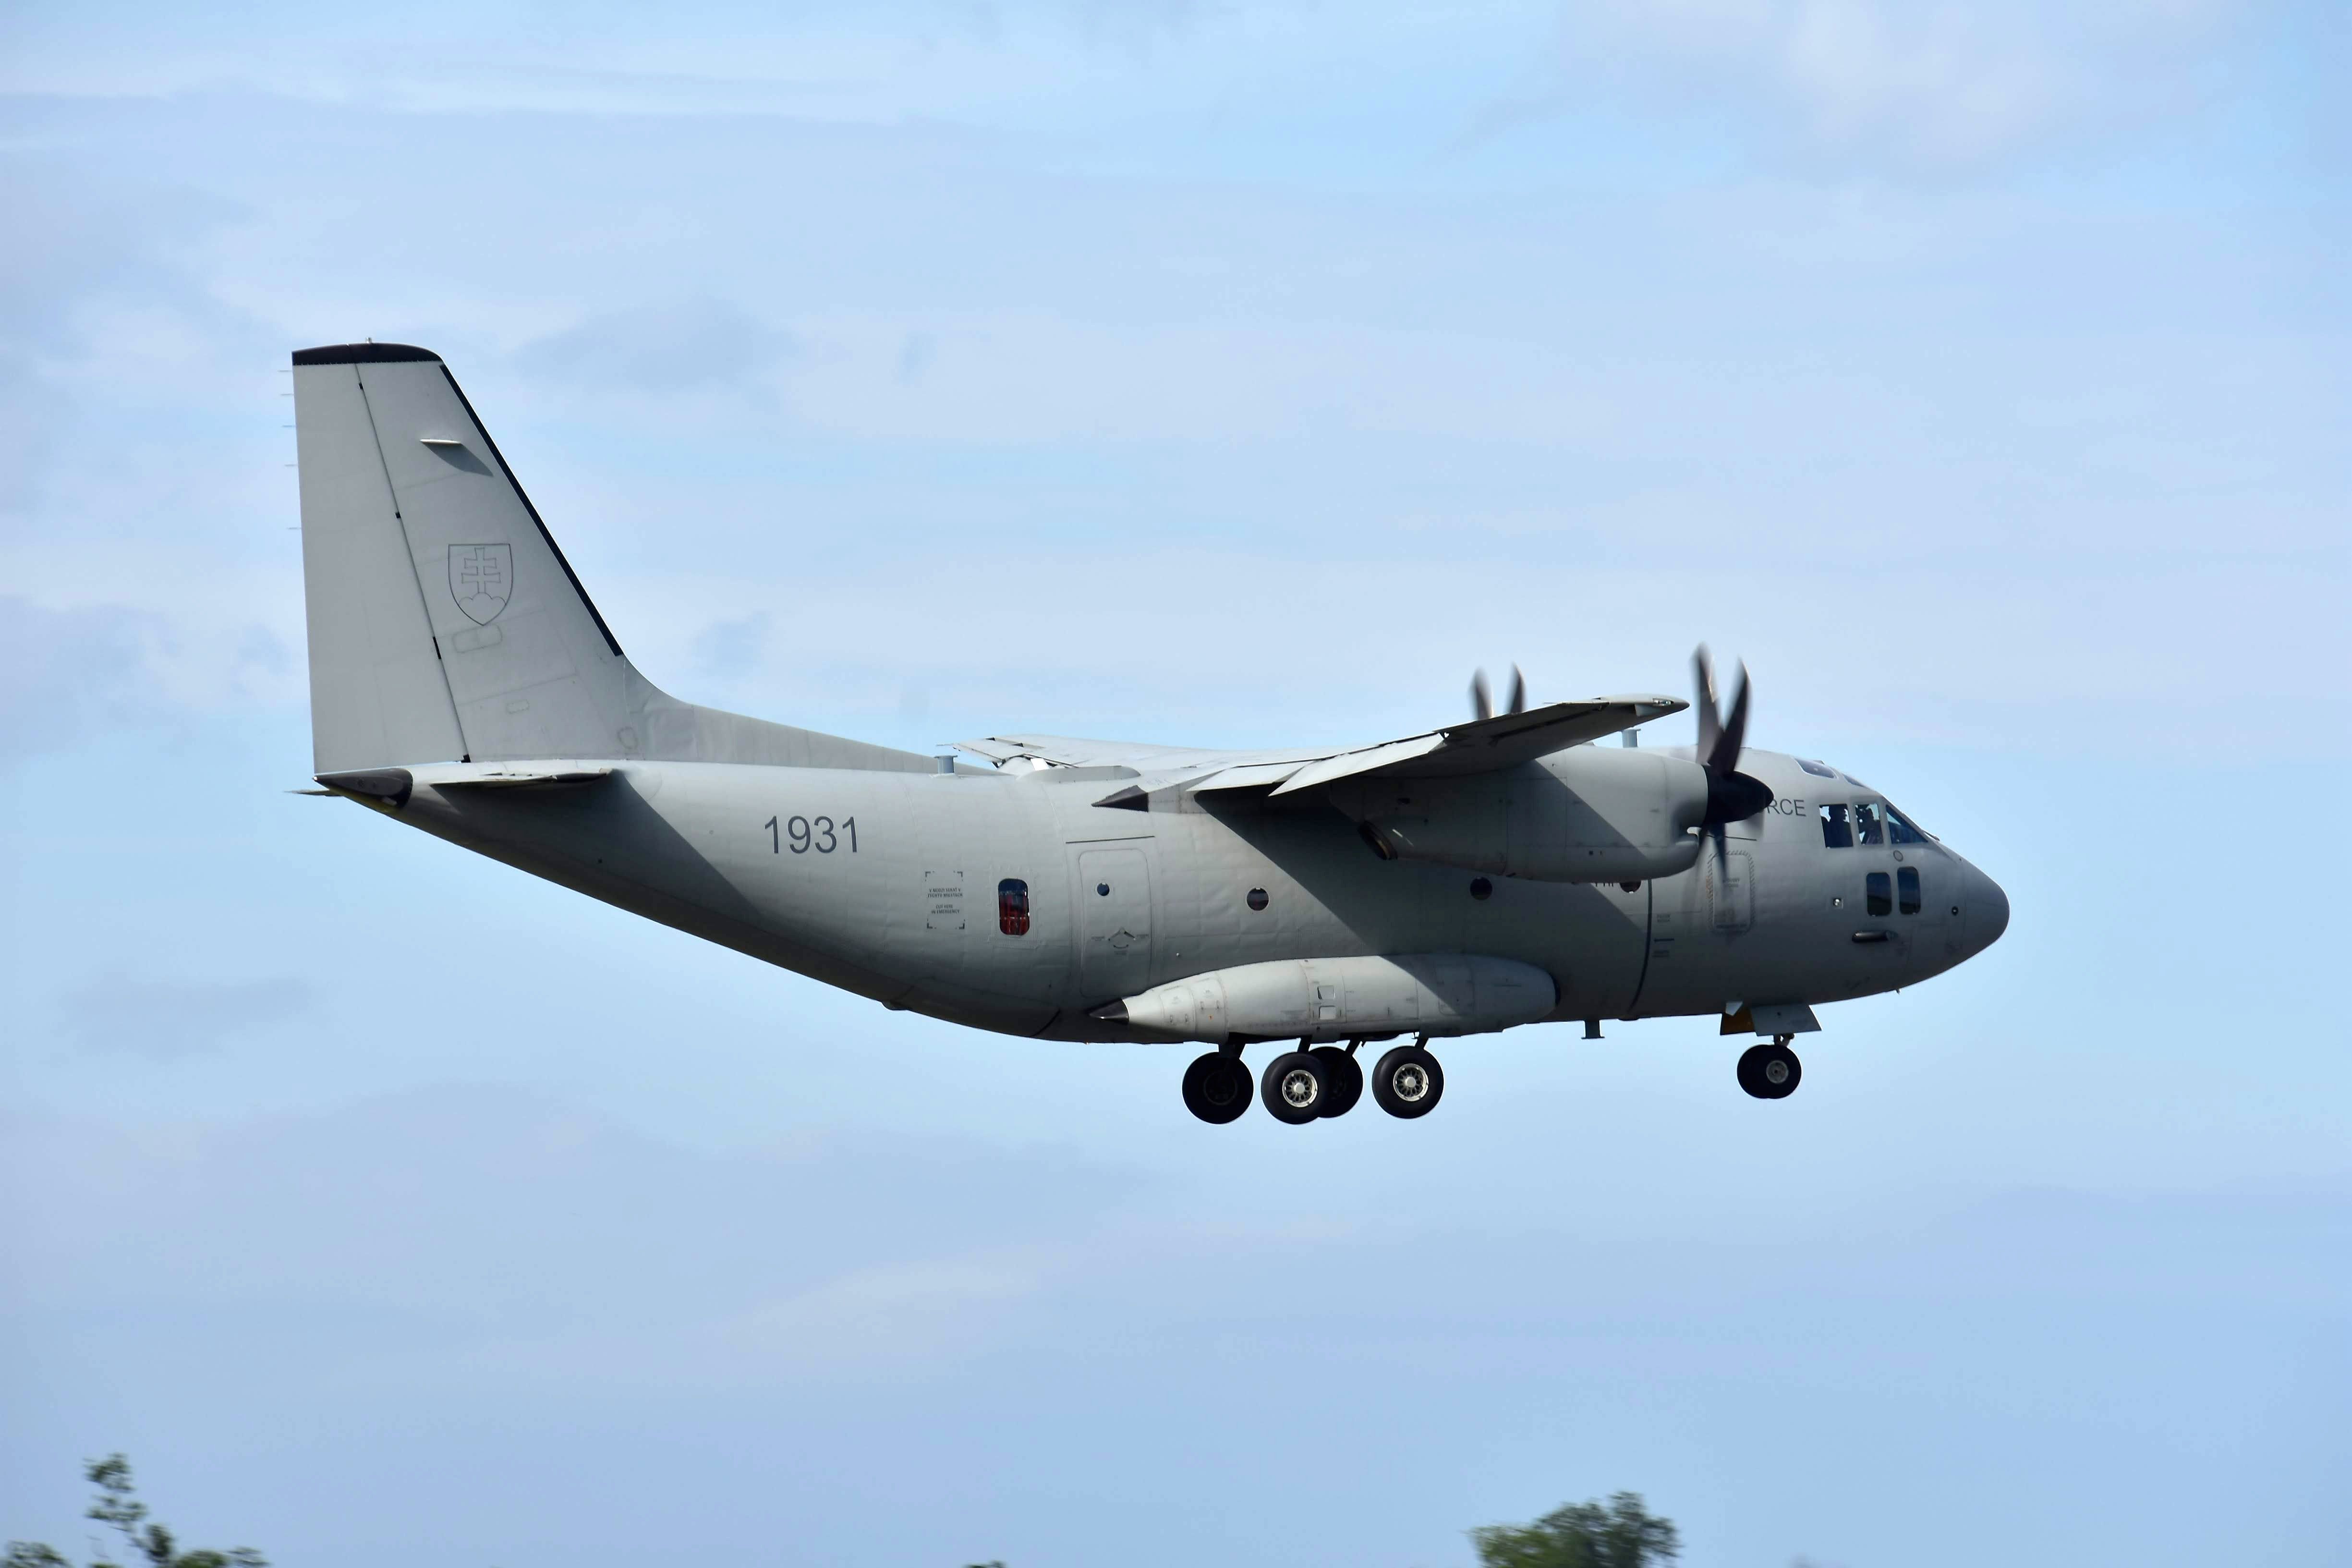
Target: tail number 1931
{"points": [[802, 833]]}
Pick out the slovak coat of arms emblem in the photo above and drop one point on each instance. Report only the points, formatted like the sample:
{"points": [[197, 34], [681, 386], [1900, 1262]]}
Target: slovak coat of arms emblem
{"points": [[481, 579]]}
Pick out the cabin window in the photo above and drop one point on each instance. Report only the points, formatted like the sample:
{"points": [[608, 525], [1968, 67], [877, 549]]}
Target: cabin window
{"points": [[1257, 898], [1481, 889], [1869, 822], [1879, 895], [1013, 906], [1906, 890], [1900, 829], [1837, 833]]}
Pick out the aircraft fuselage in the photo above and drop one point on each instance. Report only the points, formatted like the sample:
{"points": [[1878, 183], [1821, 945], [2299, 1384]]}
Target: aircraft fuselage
{"points": [[1013, 902]]}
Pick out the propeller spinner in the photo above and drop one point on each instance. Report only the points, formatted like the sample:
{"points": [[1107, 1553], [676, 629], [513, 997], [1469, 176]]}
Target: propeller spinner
{"points": [[1732, 795]]}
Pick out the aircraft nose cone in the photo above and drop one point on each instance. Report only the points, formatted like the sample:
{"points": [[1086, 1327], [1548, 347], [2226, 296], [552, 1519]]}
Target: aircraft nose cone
{"points": [[1991, 916]]}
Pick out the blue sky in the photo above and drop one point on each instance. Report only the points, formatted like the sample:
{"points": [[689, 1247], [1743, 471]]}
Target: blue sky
{"points": [[1239, 374]]}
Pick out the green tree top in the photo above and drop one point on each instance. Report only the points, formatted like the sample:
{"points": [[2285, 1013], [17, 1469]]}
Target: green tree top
{"points": [[117, 1504], [1619, 1534]]}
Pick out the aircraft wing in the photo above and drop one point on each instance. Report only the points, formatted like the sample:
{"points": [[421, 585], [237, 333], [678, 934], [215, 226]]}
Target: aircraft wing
{"points": [[1481, 745], [1484, 745]]}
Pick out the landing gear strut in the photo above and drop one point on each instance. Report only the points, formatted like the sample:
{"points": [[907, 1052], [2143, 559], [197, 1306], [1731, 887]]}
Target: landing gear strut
{"points": [[1408, 1081], [1217, 1086], [1771, 1072]]}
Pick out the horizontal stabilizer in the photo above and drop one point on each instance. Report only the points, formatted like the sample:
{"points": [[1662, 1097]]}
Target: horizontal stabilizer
{"points": [[393, 786]]}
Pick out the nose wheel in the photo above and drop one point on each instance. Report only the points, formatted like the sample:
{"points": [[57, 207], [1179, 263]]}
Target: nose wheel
{"points": [[1771, 1072]]}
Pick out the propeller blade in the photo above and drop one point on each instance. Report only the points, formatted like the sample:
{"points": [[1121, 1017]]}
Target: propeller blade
{"points": [[1519, 691], [1481, 701], [1734, 730], [1710, 725], [1732, 795]]}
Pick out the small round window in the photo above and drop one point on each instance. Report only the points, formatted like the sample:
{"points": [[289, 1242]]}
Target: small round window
{"points": [[1481, 889], [1257, 898], [1102, 889]]}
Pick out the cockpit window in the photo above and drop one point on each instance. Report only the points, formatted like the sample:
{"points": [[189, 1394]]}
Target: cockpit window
{"points": [[1819, 770], [1901, 830], [1837, 833], [1869, 822], [1878, 895], [1906, 888]]}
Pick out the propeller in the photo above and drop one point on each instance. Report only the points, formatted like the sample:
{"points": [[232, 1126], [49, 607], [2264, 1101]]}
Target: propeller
{"points": [[1482, 700], [1732, 795]]}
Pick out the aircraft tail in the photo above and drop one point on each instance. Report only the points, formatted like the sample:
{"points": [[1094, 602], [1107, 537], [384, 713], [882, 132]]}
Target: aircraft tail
{"points": [[445, 624]]}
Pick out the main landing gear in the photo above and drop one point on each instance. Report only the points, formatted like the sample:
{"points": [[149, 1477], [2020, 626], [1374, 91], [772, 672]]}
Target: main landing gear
{"points": [[1311, 1083], [1771, 1072], [1217, 1086], [1408, 1081]]}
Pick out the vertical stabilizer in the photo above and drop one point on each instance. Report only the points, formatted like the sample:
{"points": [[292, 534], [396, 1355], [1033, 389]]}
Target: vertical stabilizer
{"points": [[445, 622]]}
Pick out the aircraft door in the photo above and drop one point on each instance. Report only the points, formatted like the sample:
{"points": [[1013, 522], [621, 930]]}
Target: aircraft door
{"points": [[1114, 924]]}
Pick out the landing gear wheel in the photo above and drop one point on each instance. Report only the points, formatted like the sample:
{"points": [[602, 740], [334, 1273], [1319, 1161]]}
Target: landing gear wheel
{"points": [[1347, 1076], [1296, 1087], [1216, 1087], [1407, 1082], [1769, 1072]]}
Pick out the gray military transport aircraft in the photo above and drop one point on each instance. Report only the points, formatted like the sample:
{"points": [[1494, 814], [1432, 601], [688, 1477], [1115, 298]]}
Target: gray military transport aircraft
{"points": [[1501, 871]]}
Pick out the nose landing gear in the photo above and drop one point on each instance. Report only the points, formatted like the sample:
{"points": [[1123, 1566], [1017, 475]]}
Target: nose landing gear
{"points": [[1771, 1072]]}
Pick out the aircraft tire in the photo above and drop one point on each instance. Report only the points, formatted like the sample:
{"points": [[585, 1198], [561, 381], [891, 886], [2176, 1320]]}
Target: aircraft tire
{"points": [[1407, 1082], [1347, 1075], [1296, 1087], [1217, 1088], [1771, 1072]]}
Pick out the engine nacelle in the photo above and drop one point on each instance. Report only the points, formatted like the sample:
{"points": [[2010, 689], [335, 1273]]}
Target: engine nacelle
{"points": [[1590, 814], [1342, 999]]}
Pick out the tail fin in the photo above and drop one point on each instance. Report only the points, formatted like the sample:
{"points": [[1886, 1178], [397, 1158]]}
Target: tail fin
{"points": [[445, 624]]}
